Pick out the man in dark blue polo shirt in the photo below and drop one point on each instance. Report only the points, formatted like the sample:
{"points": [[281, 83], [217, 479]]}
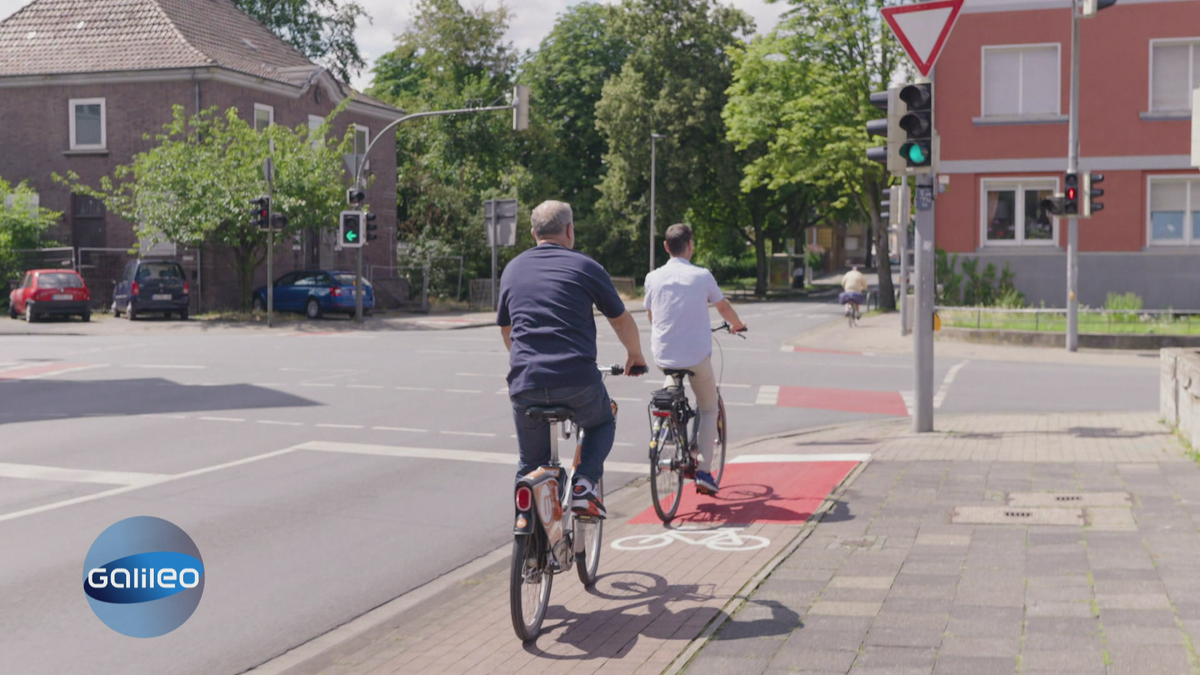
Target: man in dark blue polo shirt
{"points": [[545, 317]]}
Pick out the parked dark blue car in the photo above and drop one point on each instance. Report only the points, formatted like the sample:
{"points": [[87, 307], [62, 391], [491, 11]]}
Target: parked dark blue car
{"points": [[314, 293]]}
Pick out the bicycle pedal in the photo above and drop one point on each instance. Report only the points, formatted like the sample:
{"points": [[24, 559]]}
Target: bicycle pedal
{"points": [[705, 491]]}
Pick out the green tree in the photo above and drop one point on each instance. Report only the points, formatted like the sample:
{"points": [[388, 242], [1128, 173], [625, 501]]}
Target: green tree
{"points": [[22, 226], [195, 186], [322, 29], [672, 83]]}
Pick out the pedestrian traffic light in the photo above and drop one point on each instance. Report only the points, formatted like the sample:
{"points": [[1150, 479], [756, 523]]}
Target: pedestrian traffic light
{"points": [[1090, 7], [889, 155], [520, 107], [1088, 205], [350, 232], [279, 222], [355, 197], [1071, 194], [917, 125], [261, 216], [371, 227]]}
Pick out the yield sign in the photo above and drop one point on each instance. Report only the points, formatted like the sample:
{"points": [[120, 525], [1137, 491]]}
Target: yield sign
{"points": [[923, 28]]}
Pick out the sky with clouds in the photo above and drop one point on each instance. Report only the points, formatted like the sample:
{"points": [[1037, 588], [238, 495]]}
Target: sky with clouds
{"points": [[532, 20]]}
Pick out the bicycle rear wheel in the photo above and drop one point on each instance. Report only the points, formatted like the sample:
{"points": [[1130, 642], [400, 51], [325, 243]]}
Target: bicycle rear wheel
{"points": [[590, 533], [529, 586], [718, 451], [666, 474]]}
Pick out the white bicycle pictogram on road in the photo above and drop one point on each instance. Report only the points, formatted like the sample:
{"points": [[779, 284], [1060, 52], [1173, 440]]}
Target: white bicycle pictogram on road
{"points": [[724, 539]]}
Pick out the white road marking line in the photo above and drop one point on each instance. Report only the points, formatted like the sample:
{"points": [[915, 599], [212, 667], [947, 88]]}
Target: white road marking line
{"points": [[109, 349], [164, 416], [768, 394], [415, 431], [265, 385], [732, 403], [317, 370], [316, 384], [164, 366], [736, 386], [53, 373], [460, 351], [364, 386], [340, 426], [757, 459], [281, 424], [467, 433], [628, 400], [495, 376], [223, 419], [463, 391], [414, 389], [940, 396], [910, 401], [130, 488], [624, 445], [52, 473], [506, 458]]}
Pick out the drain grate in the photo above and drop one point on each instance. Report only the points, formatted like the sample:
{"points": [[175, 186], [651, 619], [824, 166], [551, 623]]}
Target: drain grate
{"points": [[1003, 515], [1030, 499]]}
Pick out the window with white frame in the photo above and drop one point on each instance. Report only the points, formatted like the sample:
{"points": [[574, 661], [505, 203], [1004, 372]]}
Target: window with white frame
{"points": [[362, 139], [88, 124], [1174, 206], [264, 116], [1174, 74], [1011, 214], [1021, 80], [314, 126]]}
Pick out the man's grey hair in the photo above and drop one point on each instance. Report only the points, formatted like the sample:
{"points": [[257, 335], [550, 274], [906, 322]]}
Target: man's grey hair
{"points": [[551, 218]]}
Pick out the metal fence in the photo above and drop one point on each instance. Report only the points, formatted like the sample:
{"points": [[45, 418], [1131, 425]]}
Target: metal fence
{"points": [[1099, 321], [400, 287], [480, 298]]}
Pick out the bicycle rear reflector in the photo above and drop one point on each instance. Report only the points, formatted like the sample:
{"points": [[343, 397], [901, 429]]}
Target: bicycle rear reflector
{"points": [[524, 498]]}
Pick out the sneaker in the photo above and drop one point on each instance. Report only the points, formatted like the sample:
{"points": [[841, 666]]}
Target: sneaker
{"points": [[585, 501], [705, 483]]}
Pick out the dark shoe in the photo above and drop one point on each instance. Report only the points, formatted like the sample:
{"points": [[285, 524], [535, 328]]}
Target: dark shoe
{"points": [[705, 484], [585, 501]]}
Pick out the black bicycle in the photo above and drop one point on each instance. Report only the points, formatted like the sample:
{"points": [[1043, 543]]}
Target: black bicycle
{"points": [[673, 431], [545, 543]]}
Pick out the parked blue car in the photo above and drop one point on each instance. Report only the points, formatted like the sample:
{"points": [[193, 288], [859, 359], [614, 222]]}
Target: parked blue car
{"points": [[315, 293]]}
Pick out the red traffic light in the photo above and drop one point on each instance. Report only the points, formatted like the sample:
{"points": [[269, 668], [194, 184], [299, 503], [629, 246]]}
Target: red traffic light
{"points": [[1071, 194]]}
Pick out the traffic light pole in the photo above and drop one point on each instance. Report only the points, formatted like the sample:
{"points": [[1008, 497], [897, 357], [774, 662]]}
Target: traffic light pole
{"points": [[1073, 167], [358, 288], [923, 323], [902, 240], [270, 171]]}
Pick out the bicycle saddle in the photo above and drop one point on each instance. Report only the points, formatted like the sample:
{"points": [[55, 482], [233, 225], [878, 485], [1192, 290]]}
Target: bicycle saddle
{"points": [[549, 413], [672, 372]]}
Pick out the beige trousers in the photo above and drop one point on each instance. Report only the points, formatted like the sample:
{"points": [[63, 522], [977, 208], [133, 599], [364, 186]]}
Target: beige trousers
{"points": [[704, 385]]}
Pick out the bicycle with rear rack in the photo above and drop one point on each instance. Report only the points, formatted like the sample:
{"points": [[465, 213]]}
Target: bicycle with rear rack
{"points": [[673, 431], [549, 539]]}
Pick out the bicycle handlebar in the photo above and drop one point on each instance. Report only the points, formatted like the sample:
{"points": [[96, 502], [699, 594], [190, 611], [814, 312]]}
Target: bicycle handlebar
{"points": [[617, 369], [729, 329]]}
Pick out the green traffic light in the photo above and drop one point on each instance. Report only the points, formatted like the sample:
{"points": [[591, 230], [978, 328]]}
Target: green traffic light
{"points": [[351, 235], [916, 154]]}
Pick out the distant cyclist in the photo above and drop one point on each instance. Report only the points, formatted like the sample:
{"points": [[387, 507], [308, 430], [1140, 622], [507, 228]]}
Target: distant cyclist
{"points": [[545, 317], [677, 298], [854, 288]]}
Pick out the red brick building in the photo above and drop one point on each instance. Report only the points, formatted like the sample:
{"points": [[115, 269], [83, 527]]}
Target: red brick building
{"points": [[81, 82], [1003, 94]]}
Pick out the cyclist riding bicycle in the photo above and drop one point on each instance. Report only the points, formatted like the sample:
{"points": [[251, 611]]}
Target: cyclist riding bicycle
{"points": [[545, 318], [854, 287], [677, 298]]}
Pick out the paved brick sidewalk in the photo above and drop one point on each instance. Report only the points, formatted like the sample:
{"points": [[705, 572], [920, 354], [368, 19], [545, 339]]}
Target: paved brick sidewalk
{"points": [[887, 583]]}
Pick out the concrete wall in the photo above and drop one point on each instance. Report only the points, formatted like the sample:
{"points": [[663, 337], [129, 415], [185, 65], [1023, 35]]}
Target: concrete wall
{"points": [[1179, 401]]}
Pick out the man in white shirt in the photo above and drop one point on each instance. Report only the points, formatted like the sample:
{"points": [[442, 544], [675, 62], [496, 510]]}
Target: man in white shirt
{"points": [[677, 298], [854, 288]]}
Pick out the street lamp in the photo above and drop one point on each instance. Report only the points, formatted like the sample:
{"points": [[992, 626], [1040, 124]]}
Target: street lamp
{"points": [[653, 162]]}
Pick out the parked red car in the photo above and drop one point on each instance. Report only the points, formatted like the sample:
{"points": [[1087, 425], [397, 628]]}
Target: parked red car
{"points": [[50, 292]]}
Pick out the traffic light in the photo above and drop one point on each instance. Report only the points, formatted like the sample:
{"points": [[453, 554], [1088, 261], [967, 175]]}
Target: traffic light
{"points": [[1088, 206], [350, 232], [889, 155], [1090, 7], [279, 222], [261, 215], [371, 227], [520, 107], [885, 204], [355, 197], [917, 125], [1071, 194]]}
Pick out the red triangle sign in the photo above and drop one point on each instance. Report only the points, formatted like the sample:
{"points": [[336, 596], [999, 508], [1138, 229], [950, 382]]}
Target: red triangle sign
{"points": [[923, 28]]}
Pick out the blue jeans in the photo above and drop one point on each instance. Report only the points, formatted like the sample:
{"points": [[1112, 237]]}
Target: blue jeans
{"points": [[593, 414]]}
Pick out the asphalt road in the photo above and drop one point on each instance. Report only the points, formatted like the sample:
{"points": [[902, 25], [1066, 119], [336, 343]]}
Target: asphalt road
{"points": [[314, 470]]}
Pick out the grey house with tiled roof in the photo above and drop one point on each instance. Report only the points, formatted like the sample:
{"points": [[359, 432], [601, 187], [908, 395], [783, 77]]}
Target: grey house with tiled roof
{"points": [[82, 81]]}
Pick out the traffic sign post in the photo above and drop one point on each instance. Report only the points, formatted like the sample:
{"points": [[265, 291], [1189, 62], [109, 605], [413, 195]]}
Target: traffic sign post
{"points": [[500, 221]]}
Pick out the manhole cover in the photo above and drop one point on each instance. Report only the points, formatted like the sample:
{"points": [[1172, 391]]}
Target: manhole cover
{"points": [[1009, 515], [1028, 499]]}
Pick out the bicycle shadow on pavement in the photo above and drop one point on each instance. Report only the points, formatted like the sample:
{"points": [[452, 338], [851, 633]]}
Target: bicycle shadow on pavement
{"points": [[741, 505], [638, 605]]}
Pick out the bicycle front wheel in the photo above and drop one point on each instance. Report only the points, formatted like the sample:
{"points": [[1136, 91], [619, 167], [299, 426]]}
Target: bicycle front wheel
{"points": [[590, 533], [718, 451], [666, 474], [529, 586]]}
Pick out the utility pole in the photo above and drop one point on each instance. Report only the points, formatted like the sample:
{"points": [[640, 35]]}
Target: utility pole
{"points": [[653, 182], [1073, 167], [269, 170]]}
